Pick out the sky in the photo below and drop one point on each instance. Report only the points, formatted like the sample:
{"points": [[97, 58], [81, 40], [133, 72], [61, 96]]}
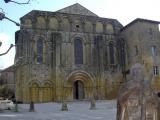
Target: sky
{"points": [[124, 11]]}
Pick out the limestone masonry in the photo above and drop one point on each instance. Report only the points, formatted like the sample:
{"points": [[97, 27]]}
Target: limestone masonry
{"points": [[74, 54]]}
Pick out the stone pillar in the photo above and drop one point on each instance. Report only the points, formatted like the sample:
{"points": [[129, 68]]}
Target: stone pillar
{"points": [[93, 104], [64, 106], [16, 107], [31, 108]]}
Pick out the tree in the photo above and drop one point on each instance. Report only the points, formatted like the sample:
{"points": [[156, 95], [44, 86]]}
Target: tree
{"points": [[2, 16], [20, 3], [5, 92]]}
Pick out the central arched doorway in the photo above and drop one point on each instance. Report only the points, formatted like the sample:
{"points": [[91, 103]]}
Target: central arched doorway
{"points": [[78, 90], [79, 85]]}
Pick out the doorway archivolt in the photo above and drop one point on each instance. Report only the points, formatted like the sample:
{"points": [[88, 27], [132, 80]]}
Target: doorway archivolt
{"points": [[79, 85]]}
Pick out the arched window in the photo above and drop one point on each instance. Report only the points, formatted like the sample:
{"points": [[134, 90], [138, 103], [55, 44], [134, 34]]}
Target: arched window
{"points": [[40, 51], [136, 50], [78, 51], [111, 53], [153, 50]]}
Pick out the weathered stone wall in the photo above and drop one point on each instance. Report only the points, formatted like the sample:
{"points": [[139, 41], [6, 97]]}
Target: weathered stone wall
{"points": [[140, 37]]}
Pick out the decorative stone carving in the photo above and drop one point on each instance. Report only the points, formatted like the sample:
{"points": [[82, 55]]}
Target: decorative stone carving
{"points": [[136, 100]]}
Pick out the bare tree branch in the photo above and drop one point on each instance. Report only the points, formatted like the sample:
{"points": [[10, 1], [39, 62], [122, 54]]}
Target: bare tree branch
{"points": [[2, 10], [21, 3], [2, 16], [7, 50], [12, 21]]}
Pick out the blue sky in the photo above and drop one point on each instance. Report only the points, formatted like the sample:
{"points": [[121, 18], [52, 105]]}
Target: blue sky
{"points": [[123, 10]]}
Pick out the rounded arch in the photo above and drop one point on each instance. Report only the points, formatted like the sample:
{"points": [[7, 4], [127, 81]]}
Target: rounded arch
{"points": [[43, 47], [47, 91], [82, 50], [85, 85], [53, 23], [34, 91], [41, 91], [66, 24], [27, 23], [109, 29], [48, 82], [80, 73], [34, 82], [78, 36], [41, 22], [77, 25], [88, 26], [99, 27]]}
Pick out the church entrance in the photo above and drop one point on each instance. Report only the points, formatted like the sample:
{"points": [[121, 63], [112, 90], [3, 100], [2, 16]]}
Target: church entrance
{"points": [[78, 90]]}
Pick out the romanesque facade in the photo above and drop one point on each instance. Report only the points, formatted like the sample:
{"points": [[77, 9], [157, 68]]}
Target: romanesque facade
{"points": [[74, 54]]}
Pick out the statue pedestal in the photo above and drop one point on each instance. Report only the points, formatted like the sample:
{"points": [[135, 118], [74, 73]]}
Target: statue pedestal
{"points": [[93, 104], [64, 106]]}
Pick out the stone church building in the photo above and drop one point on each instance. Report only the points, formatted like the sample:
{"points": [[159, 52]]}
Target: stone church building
{"points": [[73, 54]]}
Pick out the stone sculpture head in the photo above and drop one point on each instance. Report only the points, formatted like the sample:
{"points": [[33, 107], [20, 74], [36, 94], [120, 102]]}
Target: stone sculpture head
{"points": [[137, 72]]}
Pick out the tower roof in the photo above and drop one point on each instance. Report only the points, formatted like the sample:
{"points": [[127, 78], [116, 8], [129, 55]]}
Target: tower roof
{"points": [[77, 9]]}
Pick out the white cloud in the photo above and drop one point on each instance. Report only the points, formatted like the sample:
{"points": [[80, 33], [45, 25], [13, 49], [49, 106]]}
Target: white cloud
{"points": [[125, 11], [8, 59]]}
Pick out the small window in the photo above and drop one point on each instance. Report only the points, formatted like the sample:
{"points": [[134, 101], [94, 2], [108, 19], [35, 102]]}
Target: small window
{"points": [[153, 50], [155, 70], [136, 50], [77, 26]]}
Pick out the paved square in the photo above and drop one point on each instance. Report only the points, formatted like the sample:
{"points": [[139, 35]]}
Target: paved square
{"points": [[105, 110]]}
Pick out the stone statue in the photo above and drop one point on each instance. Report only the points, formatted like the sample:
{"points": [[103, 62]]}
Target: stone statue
{"points": [[136, 100]]}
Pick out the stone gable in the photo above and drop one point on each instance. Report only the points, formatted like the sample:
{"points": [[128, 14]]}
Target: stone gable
{"points": [[77, 9]]}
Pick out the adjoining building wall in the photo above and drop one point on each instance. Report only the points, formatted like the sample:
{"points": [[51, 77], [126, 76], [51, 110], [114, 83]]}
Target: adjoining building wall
{"points": [[142, 39], [7, 78]]}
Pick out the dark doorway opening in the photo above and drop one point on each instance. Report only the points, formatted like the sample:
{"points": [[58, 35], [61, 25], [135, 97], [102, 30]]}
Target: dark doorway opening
{"points": [[78, 90]]}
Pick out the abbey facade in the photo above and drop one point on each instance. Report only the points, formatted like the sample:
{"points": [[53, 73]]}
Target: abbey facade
{"points": [[72, 54]]}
